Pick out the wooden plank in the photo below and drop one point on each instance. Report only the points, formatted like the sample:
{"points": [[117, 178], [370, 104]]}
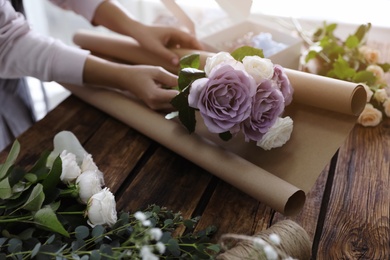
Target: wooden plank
{"points": [[116, 149], [233, 211], [168, 180], [308, 217], [357, 222], [72, 114]]}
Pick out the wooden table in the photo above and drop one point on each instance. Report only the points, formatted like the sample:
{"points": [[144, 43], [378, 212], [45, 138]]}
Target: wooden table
{"points": [[346, 213]]}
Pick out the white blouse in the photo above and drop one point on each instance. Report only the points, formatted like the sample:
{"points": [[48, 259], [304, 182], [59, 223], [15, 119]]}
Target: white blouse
{"points": [[24, 52]]}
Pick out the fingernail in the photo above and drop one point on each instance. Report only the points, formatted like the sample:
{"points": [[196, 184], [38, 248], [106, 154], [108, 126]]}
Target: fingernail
{"points": [[175, 61]]}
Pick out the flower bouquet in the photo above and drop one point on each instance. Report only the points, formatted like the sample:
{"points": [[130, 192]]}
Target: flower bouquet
{"points": [[60, 209], [351, 60], [238, 92]]}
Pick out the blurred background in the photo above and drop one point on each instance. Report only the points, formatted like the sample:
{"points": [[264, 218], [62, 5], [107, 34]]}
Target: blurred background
{"points": [[51, 20]]}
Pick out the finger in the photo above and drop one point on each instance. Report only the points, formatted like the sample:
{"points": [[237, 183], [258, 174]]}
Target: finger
{"points": [[184, 40], [166, 78]]}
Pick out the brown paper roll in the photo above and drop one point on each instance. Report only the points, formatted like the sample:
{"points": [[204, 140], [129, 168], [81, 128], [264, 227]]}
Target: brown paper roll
{"points": [[324, 111]]}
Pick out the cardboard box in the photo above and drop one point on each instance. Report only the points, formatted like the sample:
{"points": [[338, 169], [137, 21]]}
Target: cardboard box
{"points": [[235, 25]]}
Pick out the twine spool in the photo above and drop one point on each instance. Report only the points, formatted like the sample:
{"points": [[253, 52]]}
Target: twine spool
{"points": [[294, 243]]}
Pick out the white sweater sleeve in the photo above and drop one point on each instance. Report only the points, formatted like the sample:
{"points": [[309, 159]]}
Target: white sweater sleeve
{"points": [[85, 8], [24, 52]]}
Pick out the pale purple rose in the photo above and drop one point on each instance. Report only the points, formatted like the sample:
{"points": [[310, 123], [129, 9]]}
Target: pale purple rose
{"points": [[224, 99], [283, 84], [267, 106]]}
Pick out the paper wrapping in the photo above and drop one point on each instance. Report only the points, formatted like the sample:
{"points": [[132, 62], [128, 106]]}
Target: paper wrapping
{"points": [[324, 111]]}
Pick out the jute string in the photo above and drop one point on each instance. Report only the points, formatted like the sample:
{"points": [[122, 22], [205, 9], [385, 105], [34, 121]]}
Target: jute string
{"points": [[294, 243]]}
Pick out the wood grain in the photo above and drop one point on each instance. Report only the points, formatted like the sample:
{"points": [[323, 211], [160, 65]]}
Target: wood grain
{"points": [[357, 221]]}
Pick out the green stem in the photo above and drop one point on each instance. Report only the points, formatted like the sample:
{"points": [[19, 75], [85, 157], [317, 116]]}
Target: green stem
{"points": [[71, 213], [9, 220]]}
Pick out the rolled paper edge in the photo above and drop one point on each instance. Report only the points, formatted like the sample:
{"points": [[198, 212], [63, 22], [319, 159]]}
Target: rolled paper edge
{"points": [[340, 96], [240, 173]]}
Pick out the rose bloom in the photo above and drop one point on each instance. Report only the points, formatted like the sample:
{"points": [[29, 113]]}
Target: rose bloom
{"points": [[88, 163], [259, 68], [386, 107], [268, 104], [89, 183], [380, 95], [377, 71], [224, 99], [216, 60], [101, 209], [370, 55], [278, 135], [70, 168], [370, 116], [283, 84], [369, 92]]}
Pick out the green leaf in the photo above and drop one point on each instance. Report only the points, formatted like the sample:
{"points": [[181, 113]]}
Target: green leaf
{"points": [[365, 77], [5, 189], [47, 219], [14, 245], [186, 113], [81, 232], [226, 136], [36, 198], [342, 70], [241, 52], [352, 42], [40, 163], [385, 66], [11, 158], [215, 248], [173, 247], [189, 75], [51, 181], [190, 61], [35, 250], [362, 31]]}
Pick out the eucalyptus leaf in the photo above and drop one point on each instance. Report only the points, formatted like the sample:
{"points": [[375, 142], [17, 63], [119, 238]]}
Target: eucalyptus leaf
{"points": [[47, 219], [81, 232], [173, 247], [95, 255], [40, 163], [36, 198], [16, 174], [11, 158], [14, 245], [35, 250], [51, 181]]}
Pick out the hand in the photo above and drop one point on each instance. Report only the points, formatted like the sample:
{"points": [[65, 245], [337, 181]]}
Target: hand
{"points": [[158, 39], [151, 84]]}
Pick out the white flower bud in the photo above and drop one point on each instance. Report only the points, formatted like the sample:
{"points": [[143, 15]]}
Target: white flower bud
{"points": [[89, 182]]}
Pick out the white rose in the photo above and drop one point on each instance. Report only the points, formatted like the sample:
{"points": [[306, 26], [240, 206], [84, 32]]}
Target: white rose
{"points": [[370, 116], [217, 59], [377, 71], [101, 209], [259, 68], [70, 168], [369, 92], [386, 107], [88, 163], [89, 182], [278, 134], [380, 95]]}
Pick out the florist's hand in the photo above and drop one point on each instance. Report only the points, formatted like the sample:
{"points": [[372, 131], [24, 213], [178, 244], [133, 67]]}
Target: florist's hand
{"points": [[159, 40], [151, 84]]}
